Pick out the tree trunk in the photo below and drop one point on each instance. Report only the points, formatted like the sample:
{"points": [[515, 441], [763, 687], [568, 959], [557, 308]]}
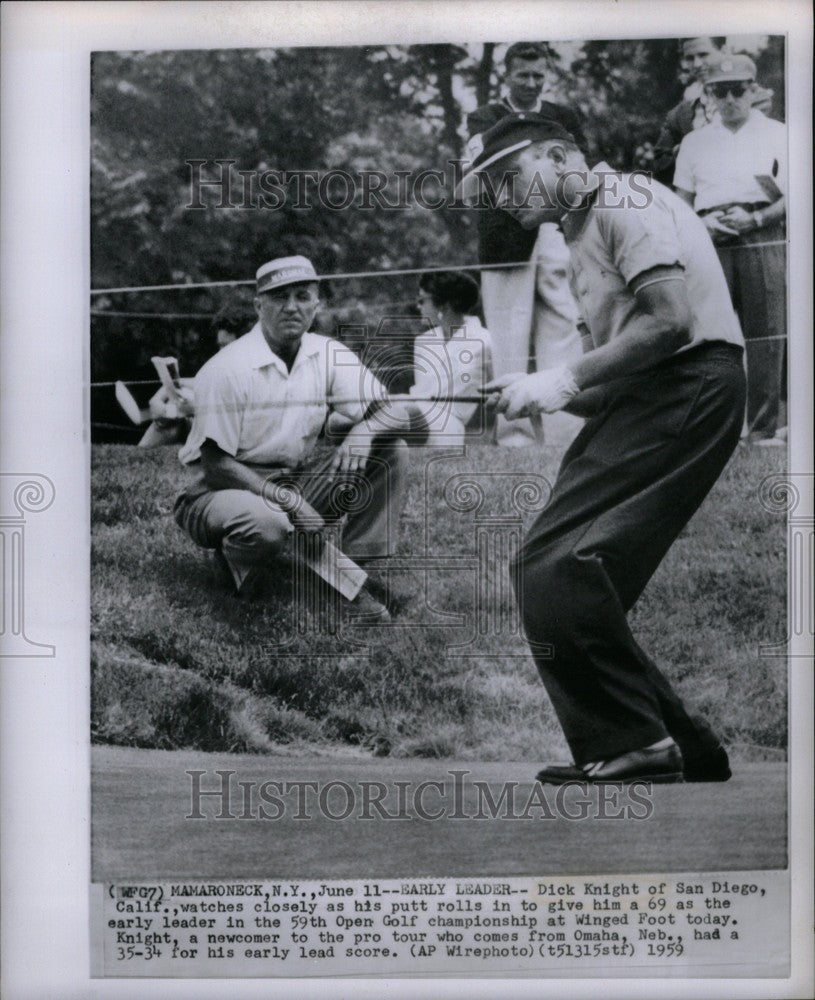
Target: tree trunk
{"points": [[450, 106], [444, 65], [484, 74]]}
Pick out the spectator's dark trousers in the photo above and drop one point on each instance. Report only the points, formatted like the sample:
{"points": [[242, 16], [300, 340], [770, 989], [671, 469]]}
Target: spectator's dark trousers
{"points": [[757, 281], [627, 486]]}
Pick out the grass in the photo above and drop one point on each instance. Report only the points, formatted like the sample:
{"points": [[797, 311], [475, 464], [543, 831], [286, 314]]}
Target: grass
{"points": [[178, 662]]}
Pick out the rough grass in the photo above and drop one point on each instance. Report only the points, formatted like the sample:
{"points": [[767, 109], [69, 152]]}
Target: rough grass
{"points": [[179, 662]]}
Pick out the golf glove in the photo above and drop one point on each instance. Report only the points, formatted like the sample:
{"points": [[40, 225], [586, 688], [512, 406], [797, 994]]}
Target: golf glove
{"points": [[546, 391]]}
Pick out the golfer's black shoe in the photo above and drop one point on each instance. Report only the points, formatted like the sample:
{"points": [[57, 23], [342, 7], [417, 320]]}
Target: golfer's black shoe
{"points": [[706, 763], [663, 766]]}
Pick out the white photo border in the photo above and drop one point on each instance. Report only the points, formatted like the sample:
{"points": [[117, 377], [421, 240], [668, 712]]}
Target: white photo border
{"points": [[44, 363]]}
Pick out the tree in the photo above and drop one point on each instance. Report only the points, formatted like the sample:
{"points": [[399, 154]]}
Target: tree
{"points": [[246, 114]]}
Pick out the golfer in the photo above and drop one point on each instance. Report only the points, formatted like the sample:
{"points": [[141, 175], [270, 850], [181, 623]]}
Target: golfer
{"points": [[662, 383]]}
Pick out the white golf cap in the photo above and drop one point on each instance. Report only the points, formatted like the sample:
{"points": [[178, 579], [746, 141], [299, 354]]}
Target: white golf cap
{"points": [[284, 271]]}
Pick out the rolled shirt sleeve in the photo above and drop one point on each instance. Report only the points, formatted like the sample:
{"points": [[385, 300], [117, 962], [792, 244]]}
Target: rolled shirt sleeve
{"points": [[352, 387], [683, 173], [641, 240], [218, 410]]}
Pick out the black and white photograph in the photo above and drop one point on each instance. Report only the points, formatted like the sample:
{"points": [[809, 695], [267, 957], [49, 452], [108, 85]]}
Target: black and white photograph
{"points": [[445, 407]]}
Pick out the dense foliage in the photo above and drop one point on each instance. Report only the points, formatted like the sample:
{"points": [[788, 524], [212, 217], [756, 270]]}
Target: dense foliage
{"points": [[376, 108]]}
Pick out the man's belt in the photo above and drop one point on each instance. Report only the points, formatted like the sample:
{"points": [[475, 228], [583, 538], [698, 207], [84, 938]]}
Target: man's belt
{"points": [[748, 206]]}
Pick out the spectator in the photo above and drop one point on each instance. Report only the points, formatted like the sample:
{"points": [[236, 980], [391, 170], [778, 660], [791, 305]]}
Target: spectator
{"points": [[451, 359], [698, 57], [733, 172], [530, 310], [224, 337], [259, 407]]}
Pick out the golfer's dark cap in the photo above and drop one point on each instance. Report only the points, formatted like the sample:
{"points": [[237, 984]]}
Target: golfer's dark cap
{"points": [[510, 135]]}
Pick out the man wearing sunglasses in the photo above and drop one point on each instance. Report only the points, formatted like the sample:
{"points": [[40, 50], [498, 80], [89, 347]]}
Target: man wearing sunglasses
{"points": [[733, 172], [698, 57]]}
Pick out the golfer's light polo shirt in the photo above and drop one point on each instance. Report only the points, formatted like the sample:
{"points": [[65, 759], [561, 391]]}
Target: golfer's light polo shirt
{"points": [[255, 409], [719, 167], [631, 225]]}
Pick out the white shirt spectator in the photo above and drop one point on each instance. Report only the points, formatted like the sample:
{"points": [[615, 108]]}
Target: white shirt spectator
{"points": [[719, 167], [454, 367], [256, 410]]}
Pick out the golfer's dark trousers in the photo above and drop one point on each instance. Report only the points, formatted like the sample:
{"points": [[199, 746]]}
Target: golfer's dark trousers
{"points": [[629, 483]]}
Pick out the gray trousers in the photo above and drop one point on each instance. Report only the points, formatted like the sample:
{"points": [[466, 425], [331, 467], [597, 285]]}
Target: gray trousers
{"points": [[251, 530], [757, 279]]}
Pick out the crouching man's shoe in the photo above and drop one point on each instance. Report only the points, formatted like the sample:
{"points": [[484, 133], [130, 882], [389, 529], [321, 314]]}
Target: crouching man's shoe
{"points": [[366, 610], [251, 585], [660, 765], [381, 589]]}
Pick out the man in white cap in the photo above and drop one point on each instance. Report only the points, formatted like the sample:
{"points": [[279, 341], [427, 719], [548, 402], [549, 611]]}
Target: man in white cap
{"points": [[698, 58], [260, 405], [733, 172]]}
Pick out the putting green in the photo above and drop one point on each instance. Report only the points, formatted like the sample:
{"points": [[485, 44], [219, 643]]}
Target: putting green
{"points": [[141, 799]]}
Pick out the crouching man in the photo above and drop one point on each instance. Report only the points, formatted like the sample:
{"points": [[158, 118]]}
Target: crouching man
{"points": [[662, 382], [260, 405]]}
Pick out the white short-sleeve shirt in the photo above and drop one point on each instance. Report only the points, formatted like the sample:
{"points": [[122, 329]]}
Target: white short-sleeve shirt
{"points": [[454, 367], [631, 225], [256, 410], [720, 167]]}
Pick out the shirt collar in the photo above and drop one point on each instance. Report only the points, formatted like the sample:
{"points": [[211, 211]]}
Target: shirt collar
{"points": [[261, 355], [536, 109], [465, 330], [751, 120], [573, 220], [470, 326]]}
